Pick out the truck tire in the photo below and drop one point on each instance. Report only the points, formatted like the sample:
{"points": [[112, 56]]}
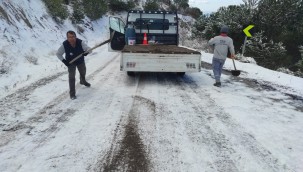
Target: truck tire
{"points": [[129, 73], [181, 73]]}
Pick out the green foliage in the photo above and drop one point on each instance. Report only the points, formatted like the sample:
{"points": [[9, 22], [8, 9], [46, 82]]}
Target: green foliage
{"points": [[232, 16], [66, 2], [276, 15], [56, 9], [194, 12], [182, 5], [282, 21], [279, 23], [173, 7], [207, 26], [118, 5], [94, 9], [78, 12], [266, 52], [131, 5], [299, 64], [178, 2], [151, 5], [167, 2]]}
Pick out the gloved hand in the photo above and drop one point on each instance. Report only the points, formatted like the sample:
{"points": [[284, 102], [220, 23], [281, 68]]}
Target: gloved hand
{"points": [[65, 62], [85, 54]]}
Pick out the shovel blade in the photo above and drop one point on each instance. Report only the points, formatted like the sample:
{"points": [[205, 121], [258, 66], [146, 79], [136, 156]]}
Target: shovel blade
{"points": [[235, 72]]}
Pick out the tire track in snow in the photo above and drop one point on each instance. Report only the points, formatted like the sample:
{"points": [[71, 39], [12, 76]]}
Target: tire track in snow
{"points": [[12, 103], [104, 160], [199, 131], [63, 96], [128, 153], [31, 146], [160, 128], [261, 154], [47, 113], [51, 108]]}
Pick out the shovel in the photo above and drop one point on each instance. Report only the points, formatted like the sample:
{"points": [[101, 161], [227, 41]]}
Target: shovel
{"points": [[235, 72], [102, 43]]}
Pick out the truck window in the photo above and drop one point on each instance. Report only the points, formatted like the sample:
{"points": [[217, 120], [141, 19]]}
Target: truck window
{"points": [[116, 24], [151, 24]]}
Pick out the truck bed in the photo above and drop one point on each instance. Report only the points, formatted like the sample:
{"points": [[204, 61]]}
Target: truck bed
{"points": [[158, 49]]}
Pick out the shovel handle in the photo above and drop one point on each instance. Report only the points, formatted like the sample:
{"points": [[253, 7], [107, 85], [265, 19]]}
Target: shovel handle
{"points": [[102, 43], [80, 55], [234, 64]]}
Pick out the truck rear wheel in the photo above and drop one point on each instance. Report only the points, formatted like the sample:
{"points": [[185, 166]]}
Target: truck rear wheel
{"points": [[181, 73]]}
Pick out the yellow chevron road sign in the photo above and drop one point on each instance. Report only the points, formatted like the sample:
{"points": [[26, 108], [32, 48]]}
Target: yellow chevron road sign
{"points": [[246, 30]]}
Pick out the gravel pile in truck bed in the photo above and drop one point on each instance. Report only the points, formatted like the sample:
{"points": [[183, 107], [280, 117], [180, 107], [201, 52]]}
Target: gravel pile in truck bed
{"points": [[158, 49]]}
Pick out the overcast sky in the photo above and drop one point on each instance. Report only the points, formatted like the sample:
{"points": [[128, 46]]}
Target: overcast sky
{"points": [[207, 6]]}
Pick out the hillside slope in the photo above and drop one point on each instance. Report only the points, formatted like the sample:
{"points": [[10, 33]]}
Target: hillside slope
{"points": [[30, 38]]}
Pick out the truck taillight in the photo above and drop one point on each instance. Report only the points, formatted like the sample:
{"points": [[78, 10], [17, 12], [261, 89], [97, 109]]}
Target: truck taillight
{"points": [[191, 65], [131, 64]]}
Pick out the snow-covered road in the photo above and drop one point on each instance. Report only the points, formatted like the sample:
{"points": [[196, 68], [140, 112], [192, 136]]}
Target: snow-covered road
{"points": [[150, 122]]}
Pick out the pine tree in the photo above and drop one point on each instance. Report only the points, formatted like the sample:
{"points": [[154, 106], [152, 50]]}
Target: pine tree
{"points": [[118, 5], [282, 20], [94, 9], [266, 52], [57, 9], [235, 17], [78, 12], [151, 5]]}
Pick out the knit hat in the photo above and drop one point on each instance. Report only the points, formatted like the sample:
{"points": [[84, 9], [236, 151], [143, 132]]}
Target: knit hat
{"points": [[224, 29]]}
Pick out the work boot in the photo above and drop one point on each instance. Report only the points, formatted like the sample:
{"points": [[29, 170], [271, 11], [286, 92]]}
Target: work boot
{"points": [[217, 84], [85, 83], [73, 97]]}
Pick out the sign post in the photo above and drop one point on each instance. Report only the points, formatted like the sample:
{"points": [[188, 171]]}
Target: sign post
{"points": [[246, 31]]}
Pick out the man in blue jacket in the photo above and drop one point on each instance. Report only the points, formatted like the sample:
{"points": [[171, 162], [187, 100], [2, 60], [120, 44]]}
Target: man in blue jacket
{"points": [[221, 45], [72, 47]]}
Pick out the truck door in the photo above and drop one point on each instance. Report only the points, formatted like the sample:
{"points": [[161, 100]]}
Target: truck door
{"points": [[118, 39]]}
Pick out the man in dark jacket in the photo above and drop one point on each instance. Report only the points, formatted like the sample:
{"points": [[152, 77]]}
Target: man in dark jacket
{"points": [[72, 47]]}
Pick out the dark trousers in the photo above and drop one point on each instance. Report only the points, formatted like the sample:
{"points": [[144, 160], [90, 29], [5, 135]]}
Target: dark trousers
{"points": [[71, 76], [217, 68]]}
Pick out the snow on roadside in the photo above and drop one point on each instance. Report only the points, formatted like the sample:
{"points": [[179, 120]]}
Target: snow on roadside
{"points": [[262, 74], [270, 117]]}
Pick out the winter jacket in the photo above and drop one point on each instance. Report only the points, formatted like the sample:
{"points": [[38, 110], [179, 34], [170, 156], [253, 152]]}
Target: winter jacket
{"points": [[72, 52], [221, 45]]}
